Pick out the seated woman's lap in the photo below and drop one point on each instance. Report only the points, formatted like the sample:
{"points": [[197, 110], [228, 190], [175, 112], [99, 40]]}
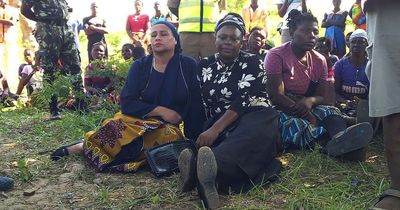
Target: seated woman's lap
{"points": [[113, 143], [247, 151], [299, 133]]}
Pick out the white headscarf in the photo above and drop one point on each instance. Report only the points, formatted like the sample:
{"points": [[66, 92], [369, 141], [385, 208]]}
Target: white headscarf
{"points": [[359, 33]]}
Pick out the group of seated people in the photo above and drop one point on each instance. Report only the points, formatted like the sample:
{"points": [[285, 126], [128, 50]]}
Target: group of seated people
{"points": [[239, 109], [31, 75]]}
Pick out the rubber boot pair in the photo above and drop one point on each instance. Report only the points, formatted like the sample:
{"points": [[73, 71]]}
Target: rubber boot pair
{"points": [[200, 171]]}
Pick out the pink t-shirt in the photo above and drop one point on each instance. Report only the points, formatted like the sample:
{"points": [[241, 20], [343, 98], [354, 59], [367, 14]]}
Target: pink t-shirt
{"points": [[138, 23], [296, 76]]}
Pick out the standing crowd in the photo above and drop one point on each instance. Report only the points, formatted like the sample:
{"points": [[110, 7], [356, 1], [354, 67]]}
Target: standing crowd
{"points": [[215, 72]]}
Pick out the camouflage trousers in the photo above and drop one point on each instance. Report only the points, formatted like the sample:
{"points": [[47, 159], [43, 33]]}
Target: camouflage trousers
{"points": [[57, 46]]}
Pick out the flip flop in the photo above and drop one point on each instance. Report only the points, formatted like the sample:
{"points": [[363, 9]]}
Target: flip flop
{"points": [[63, 151]]}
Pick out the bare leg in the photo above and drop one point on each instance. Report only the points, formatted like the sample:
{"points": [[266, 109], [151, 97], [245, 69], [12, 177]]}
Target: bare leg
{"points": [[75, 149], [391, 132]]}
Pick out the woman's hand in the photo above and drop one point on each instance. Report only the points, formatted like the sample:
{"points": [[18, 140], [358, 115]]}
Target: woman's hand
{"points": [[207, 138], [138, 43], [311, 118], [170, 115], [303, 107]]}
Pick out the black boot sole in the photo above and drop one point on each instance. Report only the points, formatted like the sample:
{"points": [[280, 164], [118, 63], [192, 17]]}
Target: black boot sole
{"points": [[187, 171], [355, 137], [206, 174]]}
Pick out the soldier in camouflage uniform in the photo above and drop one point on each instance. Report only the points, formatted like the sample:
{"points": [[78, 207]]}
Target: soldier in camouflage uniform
{"points": [[55, 39]]}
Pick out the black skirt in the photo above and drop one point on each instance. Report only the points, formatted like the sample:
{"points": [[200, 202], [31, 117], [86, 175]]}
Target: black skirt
{"points": [[252, 143]]}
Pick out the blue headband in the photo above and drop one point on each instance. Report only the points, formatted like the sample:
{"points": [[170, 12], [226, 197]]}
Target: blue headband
{"points": [[178, 48]]}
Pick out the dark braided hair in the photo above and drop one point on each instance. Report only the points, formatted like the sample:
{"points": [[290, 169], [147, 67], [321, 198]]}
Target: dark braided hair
{"points": [[295, 18]]}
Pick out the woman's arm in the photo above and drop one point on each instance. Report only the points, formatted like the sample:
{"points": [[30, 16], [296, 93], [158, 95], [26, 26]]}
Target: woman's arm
{"points": [[276, 92], [324, 93], [133, 105], [301, 108], [341, 22], [98, 29], [338, 68], [195, 117], [146, 29], [326, 22], [128, 30], [304, 8], [208, 137], [282, 8]]}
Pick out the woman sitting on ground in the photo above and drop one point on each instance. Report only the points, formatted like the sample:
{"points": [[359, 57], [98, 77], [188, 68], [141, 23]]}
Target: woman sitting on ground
{"points": [[298, 85], [351, 82], [160, 92], [97, 84], [127, 50], [238, 146], [32, 78], [29, 57]]}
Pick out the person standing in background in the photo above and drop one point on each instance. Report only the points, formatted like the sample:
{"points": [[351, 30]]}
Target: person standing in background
{"points": [[196, 25], [254, 16], [158, 15], [95, 28], [56, 42], [335, 24], [76, 27], [357, 16], [284, 7], [384, 75], [137, 25]]}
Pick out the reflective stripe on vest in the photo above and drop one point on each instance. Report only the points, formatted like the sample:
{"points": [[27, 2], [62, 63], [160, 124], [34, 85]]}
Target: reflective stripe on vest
{"points": [[190, 16]]}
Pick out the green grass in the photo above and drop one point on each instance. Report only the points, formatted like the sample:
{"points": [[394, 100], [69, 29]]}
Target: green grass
{"points": [[310, 180]]}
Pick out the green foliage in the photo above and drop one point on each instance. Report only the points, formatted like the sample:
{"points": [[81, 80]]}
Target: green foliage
{"points": [[104, 195], [236, 6], [310, 179], [62, 86], [24, 174], [114, 68]]}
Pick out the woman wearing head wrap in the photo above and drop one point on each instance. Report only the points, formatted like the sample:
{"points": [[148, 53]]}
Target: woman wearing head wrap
{"points": [[351, 82], [350, 78], [335, 24], [160, 92], [237, 148], [299, 86]]}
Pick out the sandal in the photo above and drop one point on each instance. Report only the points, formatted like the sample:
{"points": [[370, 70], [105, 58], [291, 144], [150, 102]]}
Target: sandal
{"points": [[385, 195], [63, 151]]}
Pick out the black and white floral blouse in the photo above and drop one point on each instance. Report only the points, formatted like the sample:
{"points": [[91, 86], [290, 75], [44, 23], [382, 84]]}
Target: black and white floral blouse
{"points": [[238, 86]]}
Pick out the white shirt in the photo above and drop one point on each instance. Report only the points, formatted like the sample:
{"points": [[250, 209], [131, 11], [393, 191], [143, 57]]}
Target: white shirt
{"points": [[296, 4], [36, 80]]}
